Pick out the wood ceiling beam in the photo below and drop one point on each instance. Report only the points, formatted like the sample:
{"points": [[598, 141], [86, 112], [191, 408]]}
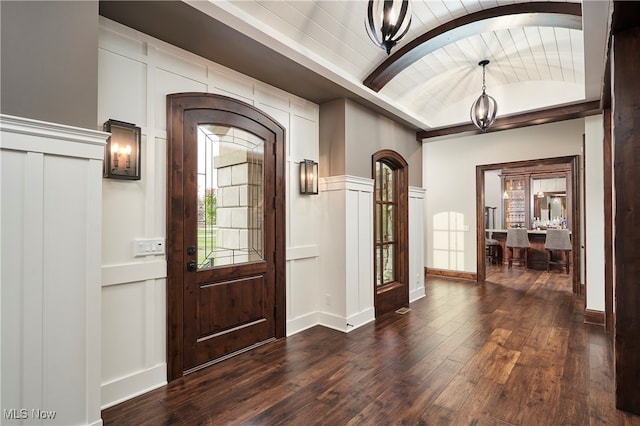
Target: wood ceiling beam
{"points": [[548, 14], [531, 118]]}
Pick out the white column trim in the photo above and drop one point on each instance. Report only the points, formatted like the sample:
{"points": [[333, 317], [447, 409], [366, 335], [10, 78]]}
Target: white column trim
{"points": [[417, 192], [43, 144], [346, 182], [93, 290], [416, 243]]}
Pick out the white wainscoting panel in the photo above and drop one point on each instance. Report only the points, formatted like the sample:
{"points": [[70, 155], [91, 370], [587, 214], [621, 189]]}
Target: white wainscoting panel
{"points": [[50, 197], [416, 243], [302, 300], [346, 256], [332, 261], [129, 310], [359, 259]]}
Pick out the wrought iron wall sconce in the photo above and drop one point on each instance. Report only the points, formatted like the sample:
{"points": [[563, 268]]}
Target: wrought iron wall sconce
{"points": [[308, 177], [122, 152]]}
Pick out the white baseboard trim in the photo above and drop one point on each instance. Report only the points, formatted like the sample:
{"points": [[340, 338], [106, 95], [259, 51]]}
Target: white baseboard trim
{"points": [[416, 294], [144, 381], [302, 323], [343, 324], [360, 319], [332, 321]]}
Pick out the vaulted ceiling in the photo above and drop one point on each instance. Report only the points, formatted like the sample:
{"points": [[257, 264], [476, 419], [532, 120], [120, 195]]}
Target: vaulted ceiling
{"points": [[542, 53]]}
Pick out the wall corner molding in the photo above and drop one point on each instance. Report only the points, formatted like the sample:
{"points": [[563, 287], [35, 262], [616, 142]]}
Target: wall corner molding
{"points": [[346, 183], [51, 138]]}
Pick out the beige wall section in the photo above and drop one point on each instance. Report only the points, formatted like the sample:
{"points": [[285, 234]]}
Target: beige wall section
{"points": [[350, 134], [332, 138], [450, 180], [50, 61], [368, 132]]}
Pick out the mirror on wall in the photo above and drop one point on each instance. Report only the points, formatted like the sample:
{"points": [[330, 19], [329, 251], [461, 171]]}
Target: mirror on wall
{"points": [[549, 202], [533, 197]]}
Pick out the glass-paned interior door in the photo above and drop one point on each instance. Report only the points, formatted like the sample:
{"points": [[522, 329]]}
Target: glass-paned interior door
{"points": [[385, 232]]}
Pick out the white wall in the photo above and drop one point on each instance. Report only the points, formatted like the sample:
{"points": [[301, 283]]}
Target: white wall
{"points": [[50, 272], [416, 243], [136, 73], [449, 176], [594, 212]]}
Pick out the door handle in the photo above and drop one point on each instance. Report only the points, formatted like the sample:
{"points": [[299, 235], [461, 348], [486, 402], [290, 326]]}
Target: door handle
{"points": [[191, 266]]}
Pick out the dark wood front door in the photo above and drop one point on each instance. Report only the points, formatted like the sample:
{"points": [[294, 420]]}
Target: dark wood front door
{"points": [[225, 209]]}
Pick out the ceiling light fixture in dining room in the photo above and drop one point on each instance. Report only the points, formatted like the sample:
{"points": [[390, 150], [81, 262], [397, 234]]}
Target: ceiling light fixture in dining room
{"points": [[388, 21], [484, 109]]}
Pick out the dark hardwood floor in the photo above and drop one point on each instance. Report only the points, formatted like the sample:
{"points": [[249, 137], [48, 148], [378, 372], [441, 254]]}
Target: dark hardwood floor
{"points": [[514, 351]]}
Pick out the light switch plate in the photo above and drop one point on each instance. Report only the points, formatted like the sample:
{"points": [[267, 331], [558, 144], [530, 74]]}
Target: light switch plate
{"points": [[148, 247]]}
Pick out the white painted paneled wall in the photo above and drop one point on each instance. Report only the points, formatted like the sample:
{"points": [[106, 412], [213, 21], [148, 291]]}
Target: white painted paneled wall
{"points": [[346, 252], [136, 74], [50, 224], [416, 243], [594, 267]]}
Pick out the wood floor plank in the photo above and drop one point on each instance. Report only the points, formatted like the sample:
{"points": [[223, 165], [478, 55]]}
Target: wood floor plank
{"points": [[477, 406], [511, 351], [544, 400], [455, 393], [519, 334], [424, 391], [513, 396]]}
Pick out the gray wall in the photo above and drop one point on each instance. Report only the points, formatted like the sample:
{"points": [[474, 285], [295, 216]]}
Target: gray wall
{"points": [[369, 132], [350, 134], [49, 61], [332, 138]]}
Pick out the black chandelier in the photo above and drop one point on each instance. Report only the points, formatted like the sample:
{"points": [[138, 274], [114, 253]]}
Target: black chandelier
{"points": [[388, 21], [484, 109]]}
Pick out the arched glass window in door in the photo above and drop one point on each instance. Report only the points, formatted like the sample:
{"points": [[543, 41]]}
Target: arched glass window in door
{"points": [[391, 198]]}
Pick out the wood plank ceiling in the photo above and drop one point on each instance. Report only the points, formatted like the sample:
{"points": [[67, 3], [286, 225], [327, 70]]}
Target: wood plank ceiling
{"points": [[532, 66]]}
